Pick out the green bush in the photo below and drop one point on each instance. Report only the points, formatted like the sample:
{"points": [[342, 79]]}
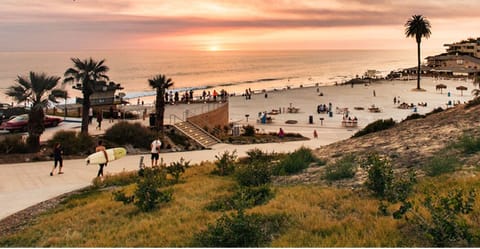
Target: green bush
{"points": [[445, 225], [242, 198], [249, 131], [441, 164], [73, 143], [136, 134], [119, 179], [414, 116], [257, 155], [225, 163], [342, 169], [148, 195], [382, 182], [294, 162], [436, 110], [380, 174], [13, 144], [379, 125], [473, 102], [468, 143], [176, 169], [241, 230], [253, 174], [178, 138]]}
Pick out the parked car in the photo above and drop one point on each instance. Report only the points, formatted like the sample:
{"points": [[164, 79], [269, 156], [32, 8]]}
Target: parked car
{"points": [[20, 122], [6, 112]]}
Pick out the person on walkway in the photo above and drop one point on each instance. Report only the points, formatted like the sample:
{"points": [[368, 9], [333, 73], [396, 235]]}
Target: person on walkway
{"points": [[281, 133], [315, 134], [111, 114], [99, 120], [90, 115], [57, 158], [155, 150], [100, 147]]}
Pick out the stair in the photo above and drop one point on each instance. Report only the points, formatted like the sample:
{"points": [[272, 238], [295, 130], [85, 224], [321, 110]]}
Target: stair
{"points": [[196, 133]]}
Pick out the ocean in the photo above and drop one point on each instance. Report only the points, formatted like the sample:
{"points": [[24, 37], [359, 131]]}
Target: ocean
{"points": [[233, 71]]}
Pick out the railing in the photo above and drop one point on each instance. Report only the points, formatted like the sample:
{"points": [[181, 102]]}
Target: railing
{"points": [[202, 109]]}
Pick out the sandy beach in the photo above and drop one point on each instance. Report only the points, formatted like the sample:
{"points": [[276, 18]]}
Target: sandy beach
{"points": [[25, 184]]}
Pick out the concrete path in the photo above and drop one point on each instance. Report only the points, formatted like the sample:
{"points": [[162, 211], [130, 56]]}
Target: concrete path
{"points": [[25, 184]]}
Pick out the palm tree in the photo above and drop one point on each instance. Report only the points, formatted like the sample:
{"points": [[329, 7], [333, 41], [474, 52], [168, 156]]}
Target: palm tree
{"points": [[160, 83], [86, 74], [37, 89], [418, 27]]}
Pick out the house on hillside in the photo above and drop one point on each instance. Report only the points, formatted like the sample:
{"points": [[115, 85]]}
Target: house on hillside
{"points": [[461, 65]]}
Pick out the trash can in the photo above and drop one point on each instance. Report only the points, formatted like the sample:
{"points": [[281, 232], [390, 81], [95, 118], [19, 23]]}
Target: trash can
{"points": [[415, 109], [448, 94], [330, 114], [449, 102], [152, 119], [310, 119]]}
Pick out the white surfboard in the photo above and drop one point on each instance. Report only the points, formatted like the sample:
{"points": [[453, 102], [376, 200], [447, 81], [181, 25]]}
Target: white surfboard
{"points": [[112, 154]]}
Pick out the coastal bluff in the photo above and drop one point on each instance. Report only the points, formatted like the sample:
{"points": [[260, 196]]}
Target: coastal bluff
{"points": [[408, 145]]}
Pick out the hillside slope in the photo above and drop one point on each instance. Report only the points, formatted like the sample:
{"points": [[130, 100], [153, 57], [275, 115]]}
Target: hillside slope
{"points": [[408, 144]]}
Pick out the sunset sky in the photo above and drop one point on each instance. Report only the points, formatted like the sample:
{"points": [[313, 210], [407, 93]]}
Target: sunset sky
{"points": [[27, 25]]}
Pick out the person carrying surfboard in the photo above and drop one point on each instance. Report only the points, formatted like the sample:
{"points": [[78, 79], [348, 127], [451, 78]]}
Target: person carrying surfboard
{"points": [[155, 150], [100, 147]]}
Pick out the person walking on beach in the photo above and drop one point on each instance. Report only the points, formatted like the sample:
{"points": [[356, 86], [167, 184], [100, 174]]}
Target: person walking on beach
{"points": [[100, 147], [99, 120], [315, 134], [57, 158], [374, 94], [155, 150], [394, 100]]}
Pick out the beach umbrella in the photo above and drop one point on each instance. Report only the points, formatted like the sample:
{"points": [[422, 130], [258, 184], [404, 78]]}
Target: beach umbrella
{"points": [[441, 87], [461, 89]]}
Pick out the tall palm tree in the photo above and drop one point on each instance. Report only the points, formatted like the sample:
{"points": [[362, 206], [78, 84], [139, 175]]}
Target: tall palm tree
{"points": [[418, 26], [86, 74], [37, 89], [160, 83]]}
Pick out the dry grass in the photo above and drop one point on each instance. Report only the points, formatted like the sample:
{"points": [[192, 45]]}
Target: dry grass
{"points": [[319, 216]]}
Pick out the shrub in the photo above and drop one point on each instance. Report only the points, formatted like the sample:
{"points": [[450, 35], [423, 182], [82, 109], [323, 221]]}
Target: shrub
{"points": [[380, 174], [178, 138], [121, 197], [381, 179], [445, 225], [123, 133], [13, 144], [242, 198], [225, 163], [473, 102], [176, 169], [342, 169], [414, 116], [147, 195], [119, 179], [73, 143], [441, 164], [257, 155], [253, 174], [249, 131], [436, 110], [379, 125], [468, 143], [294, 162], [240, 230]]}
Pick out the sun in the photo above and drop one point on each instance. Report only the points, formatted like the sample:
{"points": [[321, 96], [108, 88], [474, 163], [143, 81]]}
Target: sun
{"points": [[213, 48]]}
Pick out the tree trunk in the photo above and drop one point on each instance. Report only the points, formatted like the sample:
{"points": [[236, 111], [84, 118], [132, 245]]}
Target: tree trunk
{"points": [[418, 69], [85, 108], [160, 109], [35, 128]]}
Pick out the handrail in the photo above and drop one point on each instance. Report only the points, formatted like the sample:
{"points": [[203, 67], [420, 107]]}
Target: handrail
{"points": [[208, 133]]}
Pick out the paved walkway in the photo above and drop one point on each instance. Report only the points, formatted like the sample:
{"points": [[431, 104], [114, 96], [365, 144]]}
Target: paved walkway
{"points": [[25, 184]]}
